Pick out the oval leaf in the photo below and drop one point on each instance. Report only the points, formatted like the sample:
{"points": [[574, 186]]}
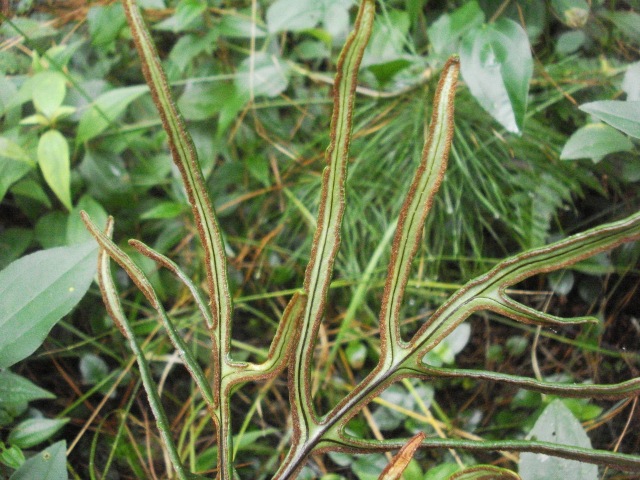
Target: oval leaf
{"points": [[595, 141], [625, 116], [268, 76], [38, 290], [50, 464], [496, 64], [49, 90], [557, 425], [53, 158], [33, 431], [105, 110]]}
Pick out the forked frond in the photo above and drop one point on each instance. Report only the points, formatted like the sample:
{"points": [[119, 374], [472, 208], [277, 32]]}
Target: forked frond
{"points": [[144, 285]]}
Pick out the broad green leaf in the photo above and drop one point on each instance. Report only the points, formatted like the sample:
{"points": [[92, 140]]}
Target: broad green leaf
{"points": [[93, 369], [51, 229], [388, 39], [10, 149], [631, 82], [12, 457], [186, 13], [574, 13], [105, 23], [445, 352], [15, 163], [570, 42], [105, 110], [262, 75], [557, 425], [201, 101], [189, 46], [625, 116], [49, 90], [335, 18], [16, 392], [13, 242], [34, 431], [293, 15], [53, 158], [10, 172], [239, 25], [76, 231], [28, 187], [49, 464], [442, 471], [627, 22], [163, 210], [447, 30], [485, 472], [38, 290], [496, 64], [595, 141]]}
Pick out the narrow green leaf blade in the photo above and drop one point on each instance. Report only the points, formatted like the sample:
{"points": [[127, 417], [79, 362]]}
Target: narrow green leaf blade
{"points": [[53, 158], [38, 290], [625, 116], [416, 207]]}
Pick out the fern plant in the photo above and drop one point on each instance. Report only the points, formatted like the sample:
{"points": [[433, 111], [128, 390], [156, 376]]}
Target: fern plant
{"points": [[292, 348]]}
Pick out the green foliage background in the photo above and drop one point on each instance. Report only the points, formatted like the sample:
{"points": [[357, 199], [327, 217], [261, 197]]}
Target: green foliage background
{"points": [[79, 132]]}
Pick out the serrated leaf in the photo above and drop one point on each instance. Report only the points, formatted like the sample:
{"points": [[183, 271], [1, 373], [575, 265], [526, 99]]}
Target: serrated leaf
{"points": [[50, 464], [34, 431], [49, 90], [557, 425], [53, 158], [496, 64], [595, 141], [625, 116], [38, 290], [105, 110], [264, 75]]}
